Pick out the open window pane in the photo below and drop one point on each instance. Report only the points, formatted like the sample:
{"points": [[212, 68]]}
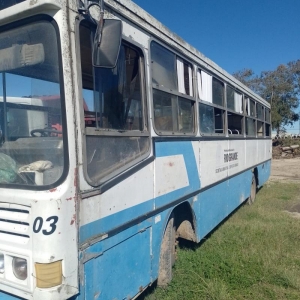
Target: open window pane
{"points": [[163, 110], [204, 86], [235, 123], [206, 119], [267, 129], [185, 115], [234, 100], [250, 127], [180, 76], [250, 107], [219, 120], [184, 77], [117, 97], [267, 112], [163, 67], [260, 111], [260, 128], [238, 102], [211, 119], [108, 154], [189, 74], [218, 92], [230, 97]]}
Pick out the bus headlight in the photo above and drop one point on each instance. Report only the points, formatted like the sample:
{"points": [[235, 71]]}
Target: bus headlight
{"points": [[1, 263], [19, 266]]}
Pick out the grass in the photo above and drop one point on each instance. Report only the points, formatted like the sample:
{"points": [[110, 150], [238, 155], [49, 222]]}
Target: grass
{"points": [[255, 254]]}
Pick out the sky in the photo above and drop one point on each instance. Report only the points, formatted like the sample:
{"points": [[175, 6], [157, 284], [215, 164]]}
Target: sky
{"points": [[235, 34]]}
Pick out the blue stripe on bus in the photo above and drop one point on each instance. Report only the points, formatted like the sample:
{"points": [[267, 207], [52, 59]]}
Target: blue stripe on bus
{"points": [[5, 296], [110, 222], [135, 250], [216, 203], [264, 172], [121, 262], [162, 149]]}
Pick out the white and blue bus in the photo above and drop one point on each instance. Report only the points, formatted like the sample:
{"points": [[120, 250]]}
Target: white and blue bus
{"points": [[116, 138]]}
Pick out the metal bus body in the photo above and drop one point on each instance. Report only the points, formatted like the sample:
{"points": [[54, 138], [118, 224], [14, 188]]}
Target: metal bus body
{"points": [[103, 165]]}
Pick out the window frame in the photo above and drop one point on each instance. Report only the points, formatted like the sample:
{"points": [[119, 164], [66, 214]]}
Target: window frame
{"points": [[211, 104], [66, 165], [105, 132], [268, 122], [249, 116], [172, 92], [232, 111]]}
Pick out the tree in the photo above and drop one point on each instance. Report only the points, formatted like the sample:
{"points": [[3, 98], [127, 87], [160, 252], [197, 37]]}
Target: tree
{"points": [[280, 87]]}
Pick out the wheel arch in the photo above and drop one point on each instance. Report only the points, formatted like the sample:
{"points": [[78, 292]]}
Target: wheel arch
{"points": [[255, 172], [185, 221]]}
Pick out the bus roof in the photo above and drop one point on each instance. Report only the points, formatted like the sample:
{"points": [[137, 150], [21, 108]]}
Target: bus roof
{"points": [[136, 14]]}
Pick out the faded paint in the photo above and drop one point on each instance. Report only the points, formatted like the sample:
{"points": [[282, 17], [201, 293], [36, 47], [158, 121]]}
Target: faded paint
{"points": [[171, 174], [73, 219]]}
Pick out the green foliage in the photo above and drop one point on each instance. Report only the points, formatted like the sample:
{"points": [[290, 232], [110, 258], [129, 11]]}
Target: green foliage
{"points": [[253, 255], [281, 87]]}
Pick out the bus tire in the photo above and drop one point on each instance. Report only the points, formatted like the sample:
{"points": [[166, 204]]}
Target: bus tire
{"points": [[167, 254], [252, 197]]}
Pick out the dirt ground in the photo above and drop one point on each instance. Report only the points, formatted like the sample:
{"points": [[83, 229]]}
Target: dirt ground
{"points": [[286, 169]]}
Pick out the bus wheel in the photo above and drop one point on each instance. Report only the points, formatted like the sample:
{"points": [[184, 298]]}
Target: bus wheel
{"points": [[167, 254], [252, 197]]}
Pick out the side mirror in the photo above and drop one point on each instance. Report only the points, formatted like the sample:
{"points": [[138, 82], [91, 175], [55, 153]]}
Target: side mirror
{"points": [[105, 53]]}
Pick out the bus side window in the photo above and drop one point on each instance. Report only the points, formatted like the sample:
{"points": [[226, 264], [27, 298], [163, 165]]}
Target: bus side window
{"points": [[114, 117], [211, 112], [250, 113], [260, 121], [211, 119], [268, 120], [172, 92], [235, 111]]}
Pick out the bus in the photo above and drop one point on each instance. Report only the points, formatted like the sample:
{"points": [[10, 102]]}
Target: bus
{"points": [[116, 139]]}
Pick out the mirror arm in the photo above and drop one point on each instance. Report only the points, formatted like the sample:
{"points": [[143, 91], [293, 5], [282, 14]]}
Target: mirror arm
{"points": [[100, 24]]}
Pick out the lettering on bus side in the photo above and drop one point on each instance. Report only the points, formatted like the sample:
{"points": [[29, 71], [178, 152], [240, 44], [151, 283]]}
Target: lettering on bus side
{"points": [[230, 156]]}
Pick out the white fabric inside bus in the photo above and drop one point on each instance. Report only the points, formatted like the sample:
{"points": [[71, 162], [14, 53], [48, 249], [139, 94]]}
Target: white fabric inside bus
{"points": [[180, 76], [204, 86], [238, 103], [199, 84], [190, 81], [248, 105]]}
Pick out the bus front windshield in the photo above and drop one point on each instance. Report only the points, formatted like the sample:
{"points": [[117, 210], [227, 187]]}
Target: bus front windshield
{"points": [[31, 119]]}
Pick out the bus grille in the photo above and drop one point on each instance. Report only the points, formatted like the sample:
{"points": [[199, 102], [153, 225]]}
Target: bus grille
{"points": [[14, 223]]}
